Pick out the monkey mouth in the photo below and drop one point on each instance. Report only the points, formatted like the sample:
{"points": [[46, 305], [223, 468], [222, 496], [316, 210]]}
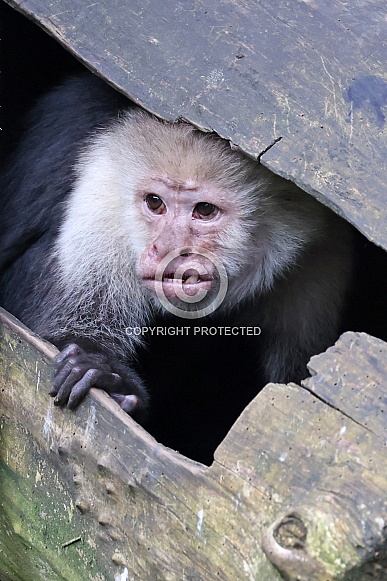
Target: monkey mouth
{"points": [[190, 276], [190, 282]]}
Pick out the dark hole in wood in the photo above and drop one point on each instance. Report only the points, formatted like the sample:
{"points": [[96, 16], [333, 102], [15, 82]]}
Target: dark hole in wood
{"points": [[199, 386]]}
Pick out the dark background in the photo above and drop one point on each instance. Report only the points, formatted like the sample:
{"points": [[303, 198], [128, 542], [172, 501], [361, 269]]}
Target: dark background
{"points": [[30, 63]]}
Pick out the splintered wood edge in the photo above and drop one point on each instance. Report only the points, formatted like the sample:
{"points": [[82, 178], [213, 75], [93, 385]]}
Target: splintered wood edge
{"points": [[351, 377], [47, 349]]}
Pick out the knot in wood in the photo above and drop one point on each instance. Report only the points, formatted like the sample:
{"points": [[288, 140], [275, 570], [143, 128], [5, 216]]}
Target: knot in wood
{"points": [[291, 532]]}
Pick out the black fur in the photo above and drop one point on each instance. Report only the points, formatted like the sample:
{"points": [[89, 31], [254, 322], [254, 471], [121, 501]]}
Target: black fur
{"points": [[33, 188], [58, 126]]}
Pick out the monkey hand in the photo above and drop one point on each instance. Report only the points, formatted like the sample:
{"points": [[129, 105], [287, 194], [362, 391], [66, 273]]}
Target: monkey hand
{"points": [[77, 370]]}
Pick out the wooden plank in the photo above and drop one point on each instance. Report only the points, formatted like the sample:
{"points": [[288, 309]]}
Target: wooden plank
{"points": [[136, 505], [344, 369], [303, 85], [90, 495]]}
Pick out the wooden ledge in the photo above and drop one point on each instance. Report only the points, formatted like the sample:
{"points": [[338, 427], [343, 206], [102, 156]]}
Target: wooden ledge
{"points": [[299, 482]]}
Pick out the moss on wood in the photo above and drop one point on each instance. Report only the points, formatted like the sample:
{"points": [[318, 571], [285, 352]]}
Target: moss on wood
{"points": [[297, 487]]}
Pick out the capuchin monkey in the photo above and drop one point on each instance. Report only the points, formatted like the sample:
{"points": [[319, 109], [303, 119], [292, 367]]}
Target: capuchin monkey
{"points": [[111, 216]]}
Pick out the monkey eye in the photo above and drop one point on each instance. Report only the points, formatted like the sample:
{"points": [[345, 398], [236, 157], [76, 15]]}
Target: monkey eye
{"points": [[154, 203], [205, 210]]}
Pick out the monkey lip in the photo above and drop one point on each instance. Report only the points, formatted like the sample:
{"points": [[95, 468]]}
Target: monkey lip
{"points": [[190, 283]]}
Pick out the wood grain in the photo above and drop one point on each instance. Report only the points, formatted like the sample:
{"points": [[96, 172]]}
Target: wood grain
{"points": [[297, 486], [302, 85]]}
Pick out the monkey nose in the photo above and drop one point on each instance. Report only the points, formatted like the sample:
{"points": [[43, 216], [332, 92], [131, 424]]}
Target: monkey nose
{"points": [[185, 252], [154, 250]]}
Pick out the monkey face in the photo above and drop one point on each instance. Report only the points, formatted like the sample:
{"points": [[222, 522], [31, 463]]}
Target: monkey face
{"points": [[178, 215], [182, 260]]}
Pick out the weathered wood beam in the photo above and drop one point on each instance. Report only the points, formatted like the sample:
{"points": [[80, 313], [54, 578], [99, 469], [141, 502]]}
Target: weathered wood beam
{"points": [[299, 481], [303, 85]]}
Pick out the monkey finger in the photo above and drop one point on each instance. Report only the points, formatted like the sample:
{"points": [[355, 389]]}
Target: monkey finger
{"points": [[63, 389], [129, 403], [90, 379], [70, 372], [109, 382], [71, 350]]}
